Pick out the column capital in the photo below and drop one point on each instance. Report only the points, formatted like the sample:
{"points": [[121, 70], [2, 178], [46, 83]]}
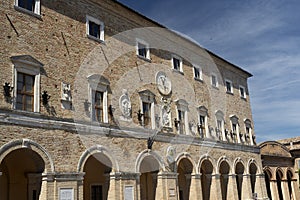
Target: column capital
{"points": [[123, 175]]}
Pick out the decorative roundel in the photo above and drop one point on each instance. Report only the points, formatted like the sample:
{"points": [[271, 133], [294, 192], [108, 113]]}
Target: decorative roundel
{"points": [[163, 83]]}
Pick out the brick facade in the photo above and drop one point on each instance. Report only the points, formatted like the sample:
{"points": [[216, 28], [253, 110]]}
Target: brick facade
{"points": [[63, 135]]}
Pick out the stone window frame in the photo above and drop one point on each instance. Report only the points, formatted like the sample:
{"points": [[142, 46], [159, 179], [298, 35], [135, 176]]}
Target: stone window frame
{"points": [[200, 77], [220, 117], [215, 83], [147, 48], [243, 96], [101, 28], [248, 125], [100, 84], [146, 96], [183, 106], [173, 56], [230, 89], [36, 11], [203, 111], [28, 65], [234, 120]]}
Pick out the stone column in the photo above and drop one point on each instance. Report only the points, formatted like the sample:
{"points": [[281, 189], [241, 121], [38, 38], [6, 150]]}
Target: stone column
{"points": [[114, 191], [215, 188], [246, 187], [166, 186], [195, 188], [47, 188], [260, 187], [295, 190], [274, 189], [285, 189], [232, 192]]}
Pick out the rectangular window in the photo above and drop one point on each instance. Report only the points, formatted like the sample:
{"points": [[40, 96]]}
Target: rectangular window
{"points": [[98, 103], [181, 118], [197, 73], [147, 113], [228, 86], [25, 92], [27, 4], [214, 81], [177, 63], [95, 28], [242, 92], [143, 50], [202, 125], [96, 192]]}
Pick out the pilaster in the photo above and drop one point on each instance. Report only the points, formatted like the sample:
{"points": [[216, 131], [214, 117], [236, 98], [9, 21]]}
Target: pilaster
{"points": [[260, 187], [196, 188], [274, 190], [232, 192], [246, 187], [215, 188], [166, 186]]}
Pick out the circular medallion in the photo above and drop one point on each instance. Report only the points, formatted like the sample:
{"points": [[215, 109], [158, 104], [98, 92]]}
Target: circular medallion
{"points": [[163, 83]]}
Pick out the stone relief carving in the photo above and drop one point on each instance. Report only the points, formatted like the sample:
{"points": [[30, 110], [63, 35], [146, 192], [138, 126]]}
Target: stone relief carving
{"points": [[171, 152], [125, 105], [166, 112]]}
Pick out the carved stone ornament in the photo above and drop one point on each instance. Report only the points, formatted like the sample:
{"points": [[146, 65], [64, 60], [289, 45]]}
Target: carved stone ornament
{"points": [[125, 105], [166, 112], [171, 152], [163, 83]]}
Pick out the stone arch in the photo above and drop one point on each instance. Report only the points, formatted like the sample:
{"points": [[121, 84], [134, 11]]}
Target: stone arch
{"points": [[223, 168], [238, 168], [186, 156], [291, 170], [235, 162], [281, 171], [185, 167], [146, 153], [97, 149], [223, 159], [268, 177], [30, 144], [253, 161], [206, 167], [279, 177], [206, 158]]}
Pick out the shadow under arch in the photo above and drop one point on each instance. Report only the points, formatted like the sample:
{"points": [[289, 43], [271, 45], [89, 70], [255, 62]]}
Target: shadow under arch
{"points": [[148, 153], [184, 168], [32, 145], [23, 165], [185, 155], [95, 150]]}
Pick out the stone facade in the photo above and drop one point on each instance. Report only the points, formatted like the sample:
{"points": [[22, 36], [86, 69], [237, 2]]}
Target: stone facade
{"points": [[101, 102], [280, 170]]}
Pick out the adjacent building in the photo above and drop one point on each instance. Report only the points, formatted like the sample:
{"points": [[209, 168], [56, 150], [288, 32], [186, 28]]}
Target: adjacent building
{"points": [[100, 102]]}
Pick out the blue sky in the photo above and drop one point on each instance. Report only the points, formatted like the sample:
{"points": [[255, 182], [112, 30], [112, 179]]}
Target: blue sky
{"points": [[262, 37]]}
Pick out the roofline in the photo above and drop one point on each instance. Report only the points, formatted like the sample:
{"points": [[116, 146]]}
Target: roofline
{"points": [[162, 26], [239, 68]]}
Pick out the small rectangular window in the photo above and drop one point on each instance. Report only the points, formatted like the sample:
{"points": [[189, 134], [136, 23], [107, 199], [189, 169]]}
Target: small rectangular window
{"points": [[96, 192], [98, 103], [95, 28], [228, 85], [25, 92], [181, 119], [177, 63], [202, 125], [242, 92], [214, 81], [197, 73], [29, 5], [147, 113]]}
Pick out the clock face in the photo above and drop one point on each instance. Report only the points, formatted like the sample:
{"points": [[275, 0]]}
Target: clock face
{"points": [[163, 83]]}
